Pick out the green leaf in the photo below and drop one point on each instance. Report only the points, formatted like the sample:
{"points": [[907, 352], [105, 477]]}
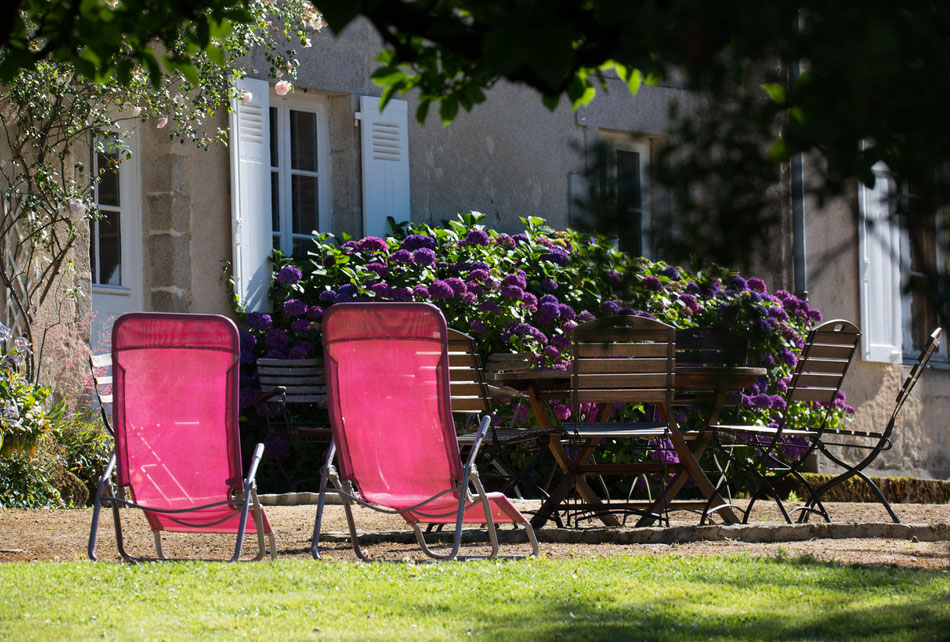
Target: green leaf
{"points": [[776, 91], [448, 109], [551, 102], [779, 151]]}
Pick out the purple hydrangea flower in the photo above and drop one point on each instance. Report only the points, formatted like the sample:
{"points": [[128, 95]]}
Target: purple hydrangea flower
{"points": [[756, 285], [517, 279], [767, 360], [781, 385], [423, 256], [329, 261], [475, 287], [347, 292], [788, 357], [671, 272], [400, 256], [614, 278], [350, 245], [569, 326], [774, 312], [737, 282], [420, 292], [380, 269], [692, 305], [557, 256], [458, 285], [778, 402], [476, 237], [561, 341], [512, 292], [548, 311], [417, 241], [504, 241], [248, 397], [566, 312], [300, 350], [373, 244], [258, 321], [645, 315], [692, 288], [549, 298], [609, 307], [314, 312], [401, 294], [814, 315], [489, 306], [276, 338], [551, 352], [761, 401], [651, 283], [562, 411], [479, 275], [530, 301], [477, 326], [294, 307], [521, 239], [763, 326], [289, 275], [329, 297], [584, 316], [381, 290], [301, 326], [274, 353], [248, 341], [440, 290], [548, 284]]}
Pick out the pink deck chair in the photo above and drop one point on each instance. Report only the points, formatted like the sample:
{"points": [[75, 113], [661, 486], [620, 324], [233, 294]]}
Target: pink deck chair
{"points": [[177, 443], [387, 371]]}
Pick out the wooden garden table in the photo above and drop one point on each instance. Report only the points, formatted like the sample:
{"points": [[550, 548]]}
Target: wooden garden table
{"points": [[541, 385]]}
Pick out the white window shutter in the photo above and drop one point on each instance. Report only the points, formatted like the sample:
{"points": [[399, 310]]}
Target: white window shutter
{"points": [[250, 194], [879, 254], [385, 164]]}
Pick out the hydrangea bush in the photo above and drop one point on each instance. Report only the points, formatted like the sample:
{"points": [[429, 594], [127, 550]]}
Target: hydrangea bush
{"points": [[526, 293]]}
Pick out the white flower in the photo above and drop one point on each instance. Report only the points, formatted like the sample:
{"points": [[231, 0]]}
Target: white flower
{"points": [[307, 42], [161, 122], [282, 87], [247, 97], [22, 344], [136, 111], [77, 208], [4, 333], [178, 99], [10, 411]]}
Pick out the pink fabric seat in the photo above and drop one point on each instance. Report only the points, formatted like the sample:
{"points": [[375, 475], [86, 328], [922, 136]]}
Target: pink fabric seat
{"points": [[390, 413], [175, 417]]}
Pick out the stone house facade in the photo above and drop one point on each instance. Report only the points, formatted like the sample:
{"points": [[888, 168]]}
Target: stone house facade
{"points": [[323, 157]]}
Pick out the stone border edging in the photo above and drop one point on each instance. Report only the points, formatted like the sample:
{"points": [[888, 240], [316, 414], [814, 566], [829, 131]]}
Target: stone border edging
{"points": [[752, 533]]}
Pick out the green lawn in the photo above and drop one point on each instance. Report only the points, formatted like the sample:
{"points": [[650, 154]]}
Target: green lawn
{"points": [[665, 597]]}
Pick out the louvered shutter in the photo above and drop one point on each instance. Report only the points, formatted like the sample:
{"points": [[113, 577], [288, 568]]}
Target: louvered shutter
{"points": [[251, 194], [385, 164], [879, 252]]}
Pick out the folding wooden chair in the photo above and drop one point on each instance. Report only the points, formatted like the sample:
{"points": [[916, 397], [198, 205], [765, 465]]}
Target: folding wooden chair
{"points": [[875, 442]]}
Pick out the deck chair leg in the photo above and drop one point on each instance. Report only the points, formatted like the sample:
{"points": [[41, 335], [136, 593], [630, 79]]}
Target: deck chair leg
{"points": [[321, 502], [157, 536], [258, 513], [97, 509]]}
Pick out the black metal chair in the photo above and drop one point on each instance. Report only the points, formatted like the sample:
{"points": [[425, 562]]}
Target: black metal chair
{"points": [[874, 442]]}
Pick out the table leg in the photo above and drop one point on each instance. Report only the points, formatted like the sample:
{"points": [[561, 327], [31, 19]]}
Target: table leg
{"points": [[691, 463]]}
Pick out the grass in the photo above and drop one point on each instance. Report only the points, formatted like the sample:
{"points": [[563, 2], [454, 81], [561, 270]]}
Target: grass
{"points": [[663, 597]]}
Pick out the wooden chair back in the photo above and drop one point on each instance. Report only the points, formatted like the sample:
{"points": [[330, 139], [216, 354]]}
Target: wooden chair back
{"points": [[302, 380], [100, 367], [469, 390], [623, 359], [824, 361]]}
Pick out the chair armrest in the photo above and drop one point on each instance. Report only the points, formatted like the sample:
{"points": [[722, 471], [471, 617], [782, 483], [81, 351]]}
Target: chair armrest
{"points": [[497, 390], [279, 391]]}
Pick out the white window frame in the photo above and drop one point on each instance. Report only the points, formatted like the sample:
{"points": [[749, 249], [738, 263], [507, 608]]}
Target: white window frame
{"points": [[641, 145], [316, 104], [130, 223]]}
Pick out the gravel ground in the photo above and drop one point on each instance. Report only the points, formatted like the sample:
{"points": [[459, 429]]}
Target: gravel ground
{"points": [[61, 535]]}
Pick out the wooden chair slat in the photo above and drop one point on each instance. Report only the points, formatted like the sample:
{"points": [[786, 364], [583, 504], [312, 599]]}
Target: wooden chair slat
{"points": [[621, 396], [101, 360], [593, 366], [817, 380], [829, 352], [822, 395], [466, 389], [614, 381], [586, 350], [463, 360], [610, 335], [825, 366], [468, 404]]}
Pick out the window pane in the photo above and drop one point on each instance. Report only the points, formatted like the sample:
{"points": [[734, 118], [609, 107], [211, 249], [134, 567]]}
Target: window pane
{"points": [[92, 250], [275, 201], [303, 141], [110, 255], [274, 162], [304, 204], [108, 180], [923, 265], [629, 203]]}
